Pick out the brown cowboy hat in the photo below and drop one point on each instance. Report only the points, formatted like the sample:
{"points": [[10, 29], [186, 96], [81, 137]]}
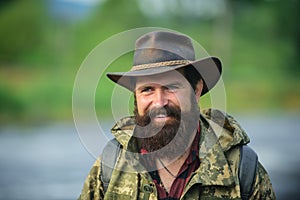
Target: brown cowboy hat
{"points": [[161, 51]]}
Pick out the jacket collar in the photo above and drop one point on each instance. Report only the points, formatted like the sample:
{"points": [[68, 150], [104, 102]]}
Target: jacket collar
{"points": [[214, 168], [123, 131]]}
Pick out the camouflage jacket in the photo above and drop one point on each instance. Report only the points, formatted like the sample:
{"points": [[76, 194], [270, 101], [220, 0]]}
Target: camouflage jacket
{"points": [[216, 178]]}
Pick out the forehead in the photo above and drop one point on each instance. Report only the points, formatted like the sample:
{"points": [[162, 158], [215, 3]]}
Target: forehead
{"points": [[161, 79]]}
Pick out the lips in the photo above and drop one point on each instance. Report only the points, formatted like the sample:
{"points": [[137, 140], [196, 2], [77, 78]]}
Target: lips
{"points": [[164, 114], [157, 112], [161, 116]]}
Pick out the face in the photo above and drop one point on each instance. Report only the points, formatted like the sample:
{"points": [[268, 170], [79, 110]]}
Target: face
{"points": [[168, 89], [166, 106]]}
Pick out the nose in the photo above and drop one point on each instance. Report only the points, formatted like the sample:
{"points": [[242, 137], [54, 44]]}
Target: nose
{"points": [[160, 99]]}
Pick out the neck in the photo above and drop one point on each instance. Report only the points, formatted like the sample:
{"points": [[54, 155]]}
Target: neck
{"points": [[174, 161], [168, 170], [173, 165]]}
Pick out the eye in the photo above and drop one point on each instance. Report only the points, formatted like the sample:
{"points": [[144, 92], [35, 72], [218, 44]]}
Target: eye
{"points": [[172, 88], [146, 89]]}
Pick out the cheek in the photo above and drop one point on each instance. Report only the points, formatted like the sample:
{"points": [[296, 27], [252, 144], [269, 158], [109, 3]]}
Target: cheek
{"points": [[184, 101], [142, 105]]}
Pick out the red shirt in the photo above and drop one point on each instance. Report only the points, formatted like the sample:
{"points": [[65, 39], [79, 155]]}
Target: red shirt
{"points": [[190, 165]]}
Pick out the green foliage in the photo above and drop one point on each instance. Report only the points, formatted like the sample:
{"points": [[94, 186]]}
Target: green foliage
{"points": [[258, 42], [10, 104], [21, 30]]}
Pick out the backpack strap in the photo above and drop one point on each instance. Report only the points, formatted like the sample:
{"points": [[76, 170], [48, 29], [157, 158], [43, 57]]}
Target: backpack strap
{"points": [[247, 166], [247, 170], [108, 160]]}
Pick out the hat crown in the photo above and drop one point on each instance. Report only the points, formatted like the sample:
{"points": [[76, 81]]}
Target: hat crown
{"points": [[160, 46]]}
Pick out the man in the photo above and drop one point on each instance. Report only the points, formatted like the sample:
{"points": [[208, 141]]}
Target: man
{"points": [[170, 150]]}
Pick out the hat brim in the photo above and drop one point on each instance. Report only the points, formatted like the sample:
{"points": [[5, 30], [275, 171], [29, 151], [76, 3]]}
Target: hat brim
{"points": [[209, 68]]}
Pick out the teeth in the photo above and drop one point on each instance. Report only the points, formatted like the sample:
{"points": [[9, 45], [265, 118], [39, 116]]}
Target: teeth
{"points": [[161, 115]]}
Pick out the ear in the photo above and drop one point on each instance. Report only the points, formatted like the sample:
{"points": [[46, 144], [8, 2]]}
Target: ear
{"points": [[198, 90]]}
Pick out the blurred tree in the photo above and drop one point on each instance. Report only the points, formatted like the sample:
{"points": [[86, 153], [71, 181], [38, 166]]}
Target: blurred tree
{"points": [[10, 105], [3, 3], [21, 32], [275, 23], [287, 21]]}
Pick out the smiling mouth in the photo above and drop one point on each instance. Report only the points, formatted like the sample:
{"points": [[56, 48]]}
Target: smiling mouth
{"points": [[161, 118], [163, 115]]}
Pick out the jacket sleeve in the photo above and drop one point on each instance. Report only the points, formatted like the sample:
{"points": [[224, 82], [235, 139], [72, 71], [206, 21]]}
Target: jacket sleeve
{"points": [[93, 187], [263, 188]]}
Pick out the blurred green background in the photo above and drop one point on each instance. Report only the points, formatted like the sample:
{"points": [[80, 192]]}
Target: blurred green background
{"points": [[44, 42]]}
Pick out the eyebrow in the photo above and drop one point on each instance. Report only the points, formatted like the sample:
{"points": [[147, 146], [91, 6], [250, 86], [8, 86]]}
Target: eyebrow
{"points": [[164, 85], [174, 83]]}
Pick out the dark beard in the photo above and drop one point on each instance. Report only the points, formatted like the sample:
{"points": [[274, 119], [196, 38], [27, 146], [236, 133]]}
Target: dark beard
{"points": [[171, 139]]}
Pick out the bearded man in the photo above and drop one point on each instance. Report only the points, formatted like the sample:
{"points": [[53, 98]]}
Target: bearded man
{"points": [[169, 149]]}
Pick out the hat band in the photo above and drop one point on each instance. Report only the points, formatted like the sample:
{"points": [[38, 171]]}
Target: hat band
{"points": [[160, 64]]}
